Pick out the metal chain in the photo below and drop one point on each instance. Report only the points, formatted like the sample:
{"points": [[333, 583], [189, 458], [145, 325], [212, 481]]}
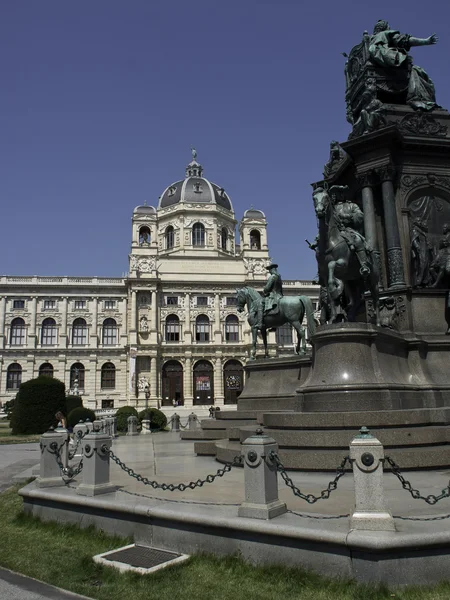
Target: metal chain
{"points": [[70, 472], [79, 435], [181, 487], [430, 499], [310, 498]]}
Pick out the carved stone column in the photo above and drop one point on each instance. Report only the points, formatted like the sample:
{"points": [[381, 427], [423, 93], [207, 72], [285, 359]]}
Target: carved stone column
{"points": [[2, 321], [367, 182], [187, 383], [133, 311], [154, 330], [219, 397], [32, 332], [63, 342], [154, 381], [396, 277], [94, 330], [187, 334], [217, 328]]}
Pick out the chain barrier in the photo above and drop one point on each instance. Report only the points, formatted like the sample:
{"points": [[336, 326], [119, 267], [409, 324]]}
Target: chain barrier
{"points": [[79, 435], [180, 487], [310, 498], [179, 501], [69, 472], [430, 499]]}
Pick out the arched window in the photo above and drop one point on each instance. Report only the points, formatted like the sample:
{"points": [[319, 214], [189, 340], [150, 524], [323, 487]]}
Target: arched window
{"points": [[46, 369], [233, 375], [14, 377], [202, 328], [49, 332], [109, 334], [172, 328], [144, 236], [203, 383], [108, 378], [170, 237], [198, 234], [172, 384], [232, 328], [17, 336], [224, 238], [255, 240], [284, 335], [77, 372], [79, 332]]}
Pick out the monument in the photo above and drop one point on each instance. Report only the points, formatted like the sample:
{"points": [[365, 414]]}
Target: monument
{"points": [[381, 356]]}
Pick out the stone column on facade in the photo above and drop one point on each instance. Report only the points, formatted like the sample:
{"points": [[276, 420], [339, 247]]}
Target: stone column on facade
{"points": [[367, 182], [61, 370], [32, 332], [396, 277], [92, 381], [2, 321], [124, 329], [219, 396], [217, 327], [154, 399], [187, 382], [93, 338], [133, 318], [63, 342], [154, 332], [187, 334]]}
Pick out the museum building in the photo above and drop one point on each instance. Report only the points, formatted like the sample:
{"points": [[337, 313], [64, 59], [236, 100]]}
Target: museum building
{"points": [[167, 333]]}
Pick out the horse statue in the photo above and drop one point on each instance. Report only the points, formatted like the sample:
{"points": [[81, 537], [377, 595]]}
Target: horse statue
{"points": [[341, 269], [292, 309]]}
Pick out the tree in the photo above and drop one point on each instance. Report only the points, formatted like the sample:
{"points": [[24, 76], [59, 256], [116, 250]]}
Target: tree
{"points": [[37, 402]]}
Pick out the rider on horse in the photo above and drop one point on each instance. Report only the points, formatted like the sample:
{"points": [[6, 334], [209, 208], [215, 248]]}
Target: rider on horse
{"points": [[273, 291], [349, 219]]}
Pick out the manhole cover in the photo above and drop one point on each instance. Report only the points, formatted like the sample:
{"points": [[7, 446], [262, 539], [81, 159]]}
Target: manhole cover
{"points": [[142, 559]]}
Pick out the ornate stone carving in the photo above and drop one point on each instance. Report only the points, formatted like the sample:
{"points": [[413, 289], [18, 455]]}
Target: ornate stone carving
{"points": [[144, 265], [337, 157], [143, 383], [392, 309], [395, 263], [257, 266], [143, 324], [420, 123]]}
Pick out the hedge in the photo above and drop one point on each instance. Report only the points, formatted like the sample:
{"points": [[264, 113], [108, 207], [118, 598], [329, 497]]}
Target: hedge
{"points": [[80, 413], [122, 415], [158, 419], [37, 402]]}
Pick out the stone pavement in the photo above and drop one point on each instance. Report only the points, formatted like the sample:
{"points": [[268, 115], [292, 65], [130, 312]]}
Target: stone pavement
{"points": [[14, 459], [17, 587]]}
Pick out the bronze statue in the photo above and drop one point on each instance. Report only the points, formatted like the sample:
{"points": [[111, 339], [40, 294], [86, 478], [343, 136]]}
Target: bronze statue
{"points": [[272, 293], [346, 263], [421, 254], [441, 264], [389, 48]]}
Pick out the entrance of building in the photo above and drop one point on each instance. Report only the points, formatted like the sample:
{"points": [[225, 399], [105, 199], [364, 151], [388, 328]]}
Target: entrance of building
{"points": [[233, 381], [172, 384], [203, 383]]}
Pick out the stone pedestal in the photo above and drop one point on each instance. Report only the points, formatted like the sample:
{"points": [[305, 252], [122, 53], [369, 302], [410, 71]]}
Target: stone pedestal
{"points": [[367, 455], [96, 467], [51, 443], [146, 427], [260, 473]]}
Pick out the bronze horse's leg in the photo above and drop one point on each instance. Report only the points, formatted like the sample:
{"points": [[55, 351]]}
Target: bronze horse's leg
{"points": [[300, 348], [264, 338]]}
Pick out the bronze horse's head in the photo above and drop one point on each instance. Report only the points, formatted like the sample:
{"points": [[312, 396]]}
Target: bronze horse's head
{"points": [[241, 299], [321, 200]]}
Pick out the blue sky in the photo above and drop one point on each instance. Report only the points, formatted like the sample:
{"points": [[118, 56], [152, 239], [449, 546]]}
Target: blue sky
{"points": [[102, 99]]}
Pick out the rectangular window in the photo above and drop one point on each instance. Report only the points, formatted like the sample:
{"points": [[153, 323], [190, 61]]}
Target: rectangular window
{"points": [[172, 331], [17, 334], [202, 301], [79, 335], [109, 335], [48, 304], [80, 304], [18, 303], [284, 335], [107, 403], [231, 301], [49, 335], [110, 304], [172, 300]]}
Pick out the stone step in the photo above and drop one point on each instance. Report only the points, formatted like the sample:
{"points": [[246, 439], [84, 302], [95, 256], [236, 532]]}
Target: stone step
{"points": [[205, 448], [340, 438], [224, 415], [371, 419], [234, 433], [226, 451], [203, 434], [210, 424]]}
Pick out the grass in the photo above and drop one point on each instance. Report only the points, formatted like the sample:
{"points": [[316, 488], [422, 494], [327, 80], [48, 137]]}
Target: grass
{"points": [[6, 436], [62, 556]]}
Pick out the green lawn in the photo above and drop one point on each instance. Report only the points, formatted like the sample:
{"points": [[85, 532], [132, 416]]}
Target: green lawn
{"points": [[7, 438], [62, 556]]}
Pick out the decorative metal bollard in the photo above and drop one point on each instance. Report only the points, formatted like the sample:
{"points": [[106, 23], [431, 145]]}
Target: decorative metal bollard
{"points": [[96, 467], [260, 474], [52, 444], [367, 456], [193, 422], [132, 423], [175, 422]]}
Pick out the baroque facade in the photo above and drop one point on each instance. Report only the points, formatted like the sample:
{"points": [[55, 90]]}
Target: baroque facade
{"points": [[167, 333]]}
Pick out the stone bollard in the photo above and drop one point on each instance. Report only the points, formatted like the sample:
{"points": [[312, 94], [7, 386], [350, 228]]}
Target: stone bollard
{"points": [[146, 427], [367, 455], [50, 472], [261, 483], [78, 432], [114, 426], [88, 424], [175, 422], [132, 423], [96, 467], [193, 422]]}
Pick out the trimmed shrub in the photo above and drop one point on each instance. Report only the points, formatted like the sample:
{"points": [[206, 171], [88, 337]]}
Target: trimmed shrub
{"points": [[122, 415], [37, 402], [80, 413], [73, 402], [158, 419]]}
